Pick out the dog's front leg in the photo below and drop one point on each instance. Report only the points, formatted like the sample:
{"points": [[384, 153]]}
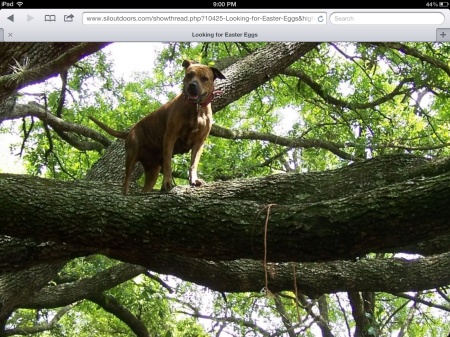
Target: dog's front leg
{"points": [[168, 144], [196, 153]]}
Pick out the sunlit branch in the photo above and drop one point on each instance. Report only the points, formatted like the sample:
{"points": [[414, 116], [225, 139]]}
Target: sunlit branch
{"points": [[33, 109], [422, 301], [194, 312], [334, 148], [112, 305], [25, 331], [318, 89], [407, 50], [161, 282], [363, 69]]}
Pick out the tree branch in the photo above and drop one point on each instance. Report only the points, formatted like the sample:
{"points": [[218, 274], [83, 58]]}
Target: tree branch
{"points": [[241, 74], [33, 109], [430, 304], [236, 320], [33, 71], [64, 294], [25, 331], [318, 89], [334, 148], [111, 305], [405, 49]]}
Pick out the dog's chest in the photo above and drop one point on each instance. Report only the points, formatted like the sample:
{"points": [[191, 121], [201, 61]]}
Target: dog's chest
{"points": [[194, 130], [197, 122]]}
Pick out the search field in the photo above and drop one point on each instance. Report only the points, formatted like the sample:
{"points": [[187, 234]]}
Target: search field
{"points": [[122, 18], [422, 18]]}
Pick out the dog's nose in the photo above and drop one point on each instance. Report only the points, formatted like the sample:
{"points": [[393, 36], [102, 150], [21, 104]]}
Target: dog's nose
{"points": [[193, 88]]}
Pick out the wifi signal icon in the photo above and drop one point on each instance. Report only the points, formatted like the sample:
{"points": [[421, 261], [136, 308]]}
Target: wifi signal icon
{"points": [[19, 3]]}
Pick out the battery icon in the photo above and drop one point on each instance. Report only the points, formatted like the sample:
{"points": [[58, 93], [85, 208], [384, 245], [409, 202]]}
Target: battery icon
{"points": [[443, 4]]}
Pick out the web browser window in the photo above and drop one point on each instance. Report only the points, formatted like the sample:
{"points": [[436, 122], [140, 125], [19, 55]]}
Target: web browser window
{"points": [[224, 169]]}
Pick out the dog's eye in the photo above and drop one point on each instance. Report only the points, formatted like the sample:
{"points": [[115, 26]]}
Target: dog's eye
{"points": [[205, 78]]}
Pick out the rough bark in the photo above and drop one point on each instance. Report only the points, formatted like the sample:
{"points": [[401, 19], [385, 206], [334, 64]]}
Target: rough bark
{"points": [[23, 64], [67, 293], [184, 231], [247, 74], [322, 228], [12, 289]]}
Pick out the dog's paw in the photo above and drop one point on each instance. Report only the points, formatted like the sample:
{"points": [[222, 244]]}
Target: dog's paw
{"points": [[166, 187], [197, 183]]}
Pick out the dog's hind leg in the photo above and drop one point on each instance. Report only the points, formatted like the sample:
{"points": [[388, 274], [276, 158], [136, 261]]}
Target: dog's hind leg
{"points": [[130, 163], [129, 167], [151, 175]]}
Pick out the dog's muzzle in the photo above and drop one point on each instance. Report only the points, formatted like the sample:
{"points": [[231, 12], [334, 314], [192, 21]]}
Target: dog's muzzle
{"points": [[192, 93]]}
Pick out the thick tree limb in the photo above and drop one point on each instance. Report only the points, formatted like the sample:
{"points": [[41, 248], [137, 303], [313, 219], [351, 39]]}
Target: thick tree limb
{"points": [[64, 294], [252, 71], [384, 275], [218, 225], [387, 275], [12, 290], [23, 254]]}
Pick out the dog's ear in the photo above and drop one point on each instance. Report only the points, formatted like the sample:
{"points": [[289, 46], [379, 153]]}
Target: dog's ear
{"points": [[186, 64], [217, 73]]}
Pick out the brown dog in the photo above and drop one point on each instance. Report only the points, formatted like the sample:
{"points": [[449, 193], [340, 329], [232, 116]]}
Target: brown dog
{"points": [[179, 126]]}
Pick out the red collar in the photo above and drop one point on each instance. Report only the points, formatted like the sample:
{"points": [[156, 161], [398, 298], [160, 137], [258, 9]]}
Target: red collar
{"points": [[202, 103]]}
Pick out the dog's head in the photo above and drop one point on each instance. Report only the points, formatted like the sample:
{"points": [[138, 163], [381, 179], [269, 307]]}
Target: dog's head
{"points": [[198, 83]]}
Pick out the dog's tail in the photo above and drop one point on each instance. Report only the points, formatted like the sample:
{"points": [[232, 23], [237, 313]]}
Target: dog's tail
{"points": [[112, 132]]}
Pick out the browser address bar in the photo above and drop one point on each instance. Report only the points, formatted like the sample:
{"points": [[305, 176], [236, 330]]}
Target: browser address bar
{"points": [[123, 18]]}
